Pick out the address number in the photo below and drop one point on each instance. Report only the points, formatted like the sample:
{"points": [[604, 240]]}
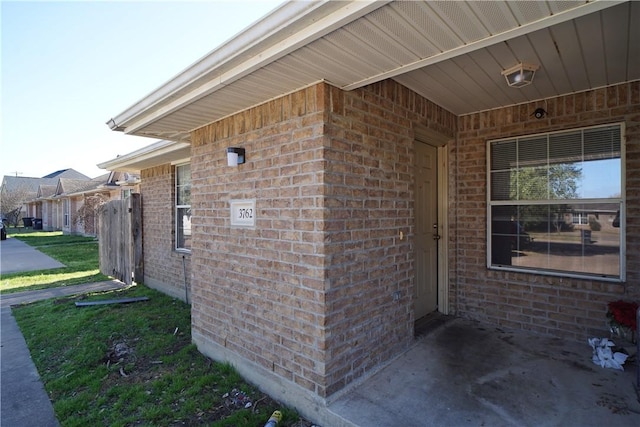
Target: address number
{"points": [[243, 213]]}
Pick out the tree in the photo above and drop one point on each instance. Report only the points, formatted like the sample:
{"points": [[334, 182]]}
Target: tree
{"points": [[11, 203], [553, 182], [87, 214], [558, 181]]}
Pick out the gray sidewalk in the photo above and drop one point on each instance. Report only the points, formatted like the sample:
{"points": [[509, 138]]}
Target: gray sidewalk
{"points": [[17, 256], [23, 399]]}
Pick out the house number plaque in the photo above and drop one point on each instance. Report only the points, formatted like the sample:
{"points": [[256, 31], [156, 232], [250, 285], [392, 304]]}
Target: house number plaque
{"points": [[243, 213]]}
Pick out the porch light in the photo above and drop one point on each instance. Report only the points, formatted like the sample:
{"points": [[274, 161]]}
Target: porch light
{"points": [[235, 156], [520, 75]]}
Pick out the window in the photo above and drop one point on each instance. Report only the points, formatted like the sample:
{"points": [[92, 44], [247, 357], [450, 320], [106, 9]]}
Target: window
{"points": [[125, 194], [183, 207], [579, 218], [65, 210], [552, 202]]}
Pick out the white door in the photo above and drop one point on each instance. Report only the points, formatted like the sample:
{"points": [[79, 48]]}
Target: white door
{"points": [[426, 203]]}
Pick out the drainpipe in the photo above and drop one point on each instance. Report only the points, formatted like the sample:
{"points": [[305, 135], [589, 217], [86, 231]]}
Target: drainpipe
{"points": [[184, 275]]}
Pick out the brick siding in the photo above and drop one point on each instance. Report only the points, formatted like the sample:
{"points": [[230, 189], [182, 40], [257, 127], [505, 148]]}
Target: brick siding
{"points": [[164, 269], [565, 307], [307, 294]]}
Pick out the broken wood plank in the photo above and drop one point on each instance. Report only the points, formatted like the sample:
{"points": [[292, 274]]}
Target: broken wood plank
{"points": [[110, 301]]}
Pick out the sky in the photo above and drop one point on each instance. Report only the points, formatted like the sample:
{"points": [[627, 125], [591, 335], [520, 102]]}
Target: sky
{"points": [[68, 67]]}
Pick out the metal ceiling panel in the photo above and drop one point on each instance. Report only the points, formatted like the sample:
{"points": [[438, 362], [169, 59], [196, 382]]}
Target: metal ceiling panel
{"points": [[489, 90], [561, 6], [574, 68], [529, 11], [634, 36], [342, 51], [616, 43], [389, 32], [496, 16], [359, 50], [592, 46], [423, 80], [462, 47], [550, 77], [322, 66], [425, 20], [460, 18]]}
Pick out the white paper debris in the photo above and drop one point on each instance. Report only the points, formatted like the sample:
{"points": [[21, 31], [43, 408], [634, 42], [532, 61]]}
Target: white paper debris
{"points": [[604, 356]]}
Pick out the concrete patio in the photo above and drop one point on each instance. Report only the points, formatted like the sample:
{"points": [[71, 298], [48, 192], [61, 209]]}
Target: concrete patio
{"points": [[466, 374]]}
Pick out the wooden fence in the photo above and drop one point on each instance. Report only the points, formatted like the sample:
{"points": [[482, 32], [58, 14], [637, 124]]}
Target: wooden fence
{"points": [[120, 239]]}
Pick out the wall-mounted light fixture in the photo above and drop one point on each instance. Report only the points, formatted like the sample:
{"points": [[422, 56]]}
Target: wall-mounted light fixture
{"points": [[520, 75], [235, 156]]}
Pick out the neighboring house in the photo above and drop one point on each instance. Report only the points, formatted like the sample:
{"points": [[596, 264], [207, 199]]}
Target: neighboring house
{"points": [[43, 205], [389, 172], [18, 190], [71, 204]]}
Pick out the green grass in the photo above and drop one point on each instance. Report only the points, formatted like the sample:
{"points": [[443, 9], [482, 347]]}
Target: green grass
{"points": [[125, 364], [134, 364], [79, 255]]}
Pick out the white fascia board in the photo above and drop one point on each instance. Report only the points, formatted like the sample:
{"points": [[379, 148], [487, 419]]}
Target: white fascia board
{"points": [[270, 35], [584, 9], [157, 149]]}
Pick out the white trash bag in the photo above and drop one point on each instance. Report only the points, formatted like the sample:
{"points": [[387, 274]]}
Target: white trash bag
{"points": [[604, 356]]}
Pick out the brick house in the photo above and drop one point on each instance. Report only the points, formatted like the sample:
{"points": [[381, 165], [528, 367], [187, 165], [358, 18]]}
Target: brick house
{"points": [[21, 190], [389, 173], [69, 204]]}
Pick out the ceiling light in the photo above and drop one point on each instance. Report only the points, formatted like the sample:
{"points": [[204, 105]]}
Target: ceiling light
{"points": [[520, 75]]}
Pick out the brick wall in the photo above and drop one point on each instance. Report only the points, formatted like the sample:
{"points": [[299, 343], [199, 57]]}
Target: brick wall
{"points": [[308, 294], [566, 307], [163, 265], [369, 196], [260, 292]]}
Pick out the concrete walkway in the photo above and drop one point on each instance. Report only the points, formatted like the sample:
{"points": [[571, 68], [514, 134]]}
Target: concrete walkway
{"points": [[16, 256], [23, 399]]}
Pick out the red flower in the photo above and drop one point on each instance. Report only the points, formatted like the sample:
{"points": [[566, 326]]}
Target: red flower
{"points": [[623, 313]]}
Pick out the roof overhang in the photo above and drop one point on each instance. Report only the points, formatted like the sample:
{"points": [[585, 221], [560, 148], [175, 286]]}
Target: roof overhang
{"points": [[450, 52], [156, 154], [289, 27]]}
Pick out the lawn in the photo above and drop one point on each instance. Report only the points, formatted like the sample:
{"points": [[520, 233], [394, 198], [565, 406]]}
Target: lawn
{"points": [[134, 364], [79, 254], [126, 364]]}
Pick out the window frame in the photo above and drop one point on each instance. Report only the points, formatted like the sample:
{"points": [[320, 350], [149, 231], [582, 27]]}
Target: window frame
{"points": [[620, 201], [178, 207], [66, 212]]}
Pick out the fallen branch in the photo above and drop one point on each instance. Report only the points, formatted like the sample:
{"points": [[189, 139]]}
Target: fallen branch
{"points": [[255, 404]]}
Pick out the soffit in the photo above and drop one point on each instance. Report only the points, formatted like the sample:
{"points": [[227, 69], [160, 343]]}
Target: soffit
{"points": [[449, 52], [156, 154]]}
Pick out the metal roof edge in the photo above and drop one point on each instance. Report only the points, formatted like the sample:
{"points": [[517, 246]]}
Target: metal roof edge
{"points": [[150, 151], [274, 35]]}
